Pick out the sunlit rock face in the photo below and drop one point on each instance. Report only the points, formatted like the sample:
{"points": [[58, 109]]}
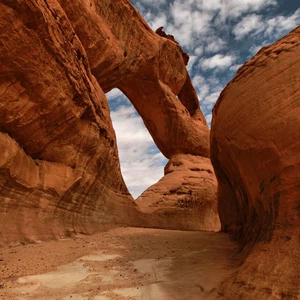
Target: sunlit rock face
{"points": [[185, 198], [148, 69], [59, 166], [255, 151]]}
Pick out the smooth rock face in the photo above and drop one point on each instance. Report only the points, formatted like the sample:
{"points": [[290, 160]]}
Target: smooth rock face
{"points": [[255, 150], [59, 166], [186, 196]]}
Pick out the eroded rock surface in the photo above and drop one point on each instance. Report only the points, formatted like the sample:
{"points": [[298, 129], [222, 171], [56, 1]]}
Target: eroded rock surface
{"points": [[186, 196], [255, 149], [59, 166], [59, 162], [149, 69]]}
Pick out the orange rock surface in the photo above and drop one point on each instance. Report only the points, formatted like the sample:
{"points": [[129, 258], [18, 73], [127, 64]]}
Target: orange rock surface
{"points": [[59, 166], [148, 69], [255, 149], [185, 197]]}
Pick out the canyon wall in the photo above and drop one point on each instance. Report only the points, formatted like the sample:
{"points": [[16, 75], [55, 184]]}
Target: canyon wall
{"points": [[255, 150], [59, 165]]}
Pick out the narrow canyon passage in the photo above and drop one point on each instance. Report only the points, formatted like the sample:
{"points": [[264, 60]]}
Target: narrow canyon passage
{"points": [[123, 263]]}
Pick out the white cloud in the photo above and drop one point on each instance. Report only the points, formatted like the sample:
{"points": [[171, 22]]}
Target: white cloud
{"points": [[198, 81], [188, 23], [192, 60], [157, 21], [234, 8], [114, 93], [141, 163], [214, 44], [201, 86], [181, 13], [228, 9], [212, 98], [208, 90], [153, 2], [218, 61], [280, 25], [210, 5], [248, 24], [208, 119], [235, 67], [270, 27], [198, 51], [203, 91]]}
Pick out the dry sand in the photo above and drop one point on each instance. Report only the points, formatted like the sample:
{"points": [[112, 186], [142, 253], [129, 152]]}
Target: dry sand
{"points": [[123, 263]]}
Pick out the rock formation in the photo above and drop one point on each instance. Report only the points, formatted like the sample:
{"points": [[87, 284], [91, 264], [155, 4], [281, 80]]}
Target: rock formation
{"points": [[59, 167], [255, 150], [148, 69], [59, 161], [153, 76], [185, 198]]}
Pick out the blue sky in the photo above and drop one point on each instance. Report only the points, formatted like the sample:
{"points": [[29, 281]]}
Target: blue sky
{"points": [[219, 36]]}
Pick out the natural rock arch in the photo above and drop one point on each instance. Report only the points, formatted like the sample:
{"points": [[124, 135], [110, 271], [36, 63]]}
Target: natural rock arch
{"points": [[60, 171], [153, 76]]}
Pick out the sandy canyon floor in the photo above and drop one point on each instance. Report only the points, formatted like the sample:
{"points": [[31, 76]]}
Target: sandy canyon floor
{"points": [[123, 263]]}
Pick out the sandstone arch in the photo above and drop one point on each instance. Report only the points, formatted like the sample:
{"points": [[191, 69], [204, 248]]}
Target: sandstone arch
{"points": [[152, 74], [60, 170]]}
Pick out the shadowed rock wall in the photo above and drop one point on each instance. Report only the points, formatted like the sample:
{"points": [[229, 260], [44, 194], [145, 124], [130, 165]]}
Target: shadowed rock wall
{"points": [[59, 162], [255, 150]]}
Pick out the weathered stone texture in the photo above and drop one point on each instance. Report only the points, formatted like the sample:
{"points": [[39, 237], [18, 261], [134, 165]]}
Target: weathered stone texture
{"points": [[185, 197], [255, 149], [59, 170]]}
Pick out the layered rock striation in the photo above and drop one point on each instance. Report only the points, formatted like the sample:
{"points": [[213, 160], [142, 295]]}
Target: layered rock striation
{"points": [[59, 166], [255, 150], [149, 69], [185, 197]]}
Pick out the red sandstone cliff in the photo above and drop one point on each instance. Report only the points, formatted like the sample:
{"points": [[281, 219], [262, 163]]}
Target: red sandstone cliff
{"points": [[59, 166], [255, 149]]}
